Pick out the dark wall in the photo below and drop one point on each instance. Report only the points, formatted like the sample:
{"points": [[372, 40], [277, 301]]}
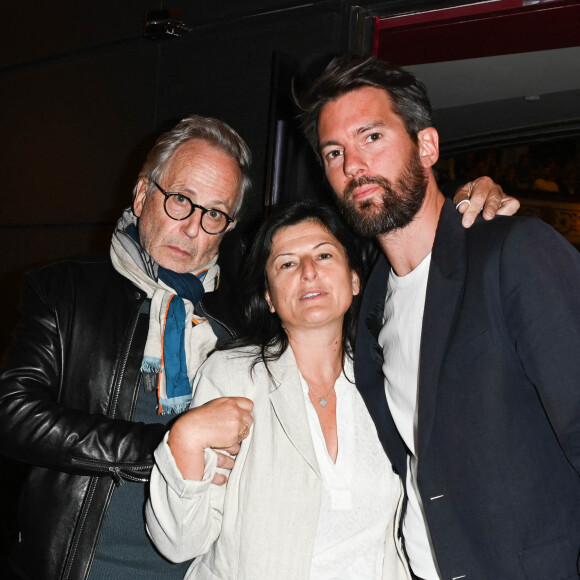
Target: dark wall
{"points": [[225, 70], [77, 111]]}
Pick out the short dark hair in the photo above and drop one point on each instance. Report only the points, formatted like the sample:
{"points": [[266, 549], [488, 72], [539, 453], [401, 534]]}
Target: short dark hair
{"points": [[344, 74], [264, 329]]}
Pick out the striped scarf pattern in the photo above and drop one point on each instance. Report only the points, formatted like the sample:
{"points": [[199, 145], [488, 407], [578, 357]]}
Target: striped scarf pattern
{"points": [[178, 340]]}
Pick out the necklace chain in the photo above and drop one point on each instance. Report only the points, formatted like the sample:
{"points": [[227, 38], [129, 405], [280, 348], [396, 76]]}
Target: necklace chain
{"points": [[321, 398]]}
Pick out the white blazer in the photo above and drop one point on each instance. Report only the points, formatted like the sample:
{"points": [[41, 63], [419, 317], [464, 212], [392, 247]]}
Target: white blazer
{"points": [[263, 523]]}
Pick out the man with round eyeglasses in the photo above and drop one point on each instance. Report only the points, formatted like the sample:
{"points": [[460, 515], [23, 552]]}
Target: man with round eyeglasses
{"points": [[179, 207], [105, 357]]}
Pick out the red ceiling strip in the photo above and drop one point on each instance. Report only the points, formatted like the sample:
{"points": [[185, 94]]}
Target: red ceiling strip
{"points": [[437, 37], [448, 13]]}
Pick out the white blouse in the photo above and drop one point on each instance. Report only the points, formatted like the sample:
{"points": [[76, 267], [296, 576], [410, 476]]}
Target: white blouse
{"points": [[357, 490]]}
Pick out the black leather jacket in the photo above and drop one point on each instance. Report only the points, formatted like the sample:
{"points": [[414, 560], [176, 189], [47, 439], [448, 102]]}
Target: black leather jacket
{"points": [[67, 395]]}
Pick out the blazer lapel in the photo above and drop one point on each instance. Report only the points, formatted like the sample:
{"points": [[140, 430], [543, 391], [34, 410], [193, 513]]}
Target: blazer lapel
{"points": [[288, 402], [444, 291], [368, 363]]}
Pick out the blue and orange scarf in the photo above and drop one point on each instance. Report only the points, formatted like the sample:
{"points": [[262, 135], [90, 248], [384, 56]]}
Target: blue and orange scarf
{"points": [[178, 340]]}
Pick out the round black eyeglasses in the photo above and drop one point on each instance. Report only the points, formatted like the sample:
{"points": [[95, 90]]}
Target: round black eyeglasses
{"points": [[179, 207]]}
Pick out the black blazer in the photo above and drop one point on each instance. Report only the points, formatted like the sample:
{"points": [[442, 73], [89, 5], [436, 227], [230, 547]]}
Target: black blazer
{"points": [[499, 398]]}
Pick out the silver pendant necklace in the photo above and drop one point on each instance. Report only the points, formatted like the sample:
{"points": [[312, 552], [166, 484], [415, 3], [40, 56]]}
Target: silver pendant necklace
{"points": [[321, 398]]}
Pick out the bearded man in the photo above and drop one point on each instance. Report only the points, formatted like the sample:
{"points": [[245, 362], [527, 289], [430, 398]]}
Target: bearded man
{"points": [[468, 341]]}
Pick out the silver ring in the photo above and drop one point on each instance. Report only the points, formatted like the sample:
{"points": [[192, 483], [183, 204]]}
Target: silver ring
{"points": [[463, 201]]}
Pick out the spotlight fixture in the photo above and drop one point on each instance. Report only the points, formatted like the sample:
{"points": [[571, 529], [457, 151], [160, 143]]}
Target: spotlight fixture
{"points": [[164, 25]]}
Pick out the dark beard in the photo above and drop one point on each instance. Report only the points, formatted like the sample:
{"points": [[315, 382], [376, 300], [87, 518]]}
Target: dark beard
{"points": [[399, 203]]}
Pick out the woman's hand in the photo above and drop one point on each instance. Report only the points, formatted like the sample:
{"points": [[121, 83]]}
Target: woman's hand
{"points": [[220, 424]]}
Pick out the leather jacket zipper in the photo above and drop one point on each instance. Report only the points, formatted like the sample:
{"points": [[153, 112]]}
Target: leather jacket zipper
{"points": [[207, 314], [113, 471]]}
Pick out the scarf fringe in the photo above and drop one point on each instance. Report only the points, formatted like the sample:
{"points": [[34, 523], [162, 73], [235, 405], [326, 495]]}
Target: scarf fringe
{"points": [[174, 406], [151, 365]]}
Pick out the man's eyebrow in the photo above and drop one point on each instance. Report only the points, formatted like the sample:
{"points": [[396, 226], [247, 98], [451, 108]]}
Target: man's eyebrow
{"points": [[328, 144], [370, 126], [192, 193], [358, 131]]}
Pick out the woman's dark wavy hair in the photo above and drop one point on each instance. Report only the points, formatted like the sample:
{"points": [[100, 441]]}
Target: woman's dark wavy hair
{"points": [[347, 73], [263, 328]]}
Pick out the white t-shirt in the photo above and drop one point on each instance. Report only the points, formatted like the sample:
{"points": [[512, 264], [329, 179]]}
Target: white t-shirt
{"points": [[400, 339]]}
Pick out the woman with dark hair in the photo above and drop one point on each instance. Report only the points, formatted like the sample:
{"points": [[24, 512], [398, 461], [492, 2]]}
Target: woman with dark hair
{"points": [[311, 494], [265, 330]]}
